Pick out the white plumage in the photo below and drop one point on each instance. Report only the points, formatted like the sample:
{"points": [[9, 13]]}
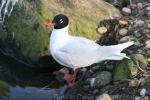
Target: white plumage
{"points": [[76, 52]]}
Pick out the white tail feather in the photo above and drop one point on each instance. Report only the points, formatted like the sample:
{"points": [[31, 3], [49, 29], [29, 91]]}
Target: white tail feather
{"points": [[114, 52]]}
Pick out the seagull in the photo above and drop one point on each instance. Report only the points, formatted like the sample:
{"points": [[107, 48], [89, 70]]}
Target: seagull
{"points": [[78, 52]]}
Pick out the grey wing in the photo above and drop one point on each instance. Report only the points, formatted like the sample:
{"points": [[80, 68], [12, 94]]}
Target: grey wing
{"points": [[79, 52]]}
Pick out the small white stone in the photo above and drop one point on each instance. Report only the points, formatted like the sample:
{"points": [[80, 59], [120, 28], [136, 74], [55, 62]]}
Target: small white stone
{"points": [[126, 10], [140, 5], [92, 82], [104, 97], [142, 92], [148, 8], [123, 32], [147, 44]]}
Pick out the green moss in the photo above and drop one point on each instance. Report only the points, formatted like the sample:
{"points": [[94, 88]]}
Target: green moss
{"points": [[28, 28], [121, 70]]}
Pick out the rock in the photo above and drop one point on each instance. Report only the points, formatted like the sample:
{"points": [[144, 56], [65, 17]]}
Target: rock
{"points": [[145, 92], [147, 44], [133, 68], [148, 52], [147, 26], [148, 14], [126, 39], [121, 70], [135, 83], [95, 91], [109, 67], [137, 35], [104, 97], [95, 68], [123, 32], [141, 98], [142, 81], [135, 11], [140, 5], [86, 87], [117, 97], [139, 23], [101, 79], [137, 43], [123, 23], [83, 69], [143, 62], [148, 8], [126, 11], [146, 31], [102, 30]]}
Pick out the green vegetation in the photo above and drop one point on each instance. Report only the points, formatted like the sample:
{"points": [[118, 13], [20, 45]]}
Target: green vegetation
{"points": [[121, 70], [128, 68], [27, 21]]}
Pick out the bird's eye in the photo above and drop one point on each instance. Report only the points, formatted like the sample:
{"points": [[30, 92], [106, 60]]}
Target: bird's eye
{"points": [[61, 21]]}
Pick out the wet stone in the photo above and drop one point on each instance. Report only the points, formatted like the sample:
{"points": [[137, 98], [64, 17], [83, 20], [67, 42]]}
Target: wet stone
{"points": [[147, 26], [126, 39], [148, 52], [139, 23], [135, 11], [137, 35], [146, 31], [140, 5], [109, 67], [123, 32], [86, 87], [147, 44], [102, 79], [148, 8], [95, 91], [126, 11], [95, 68], [148, 14]]}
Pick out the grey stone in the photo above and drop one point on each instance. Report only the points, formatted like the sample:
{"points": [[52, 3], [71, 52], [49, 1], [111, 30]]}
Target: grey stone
{"points": [[137, 43], [148, 14], [148, 52], [126, 39], [95, 68], [140, 5], [137, 35], [146, 31], [102, 79], [135, 11], [126, 11], [123, 32], [139, 23], [110, 67]]}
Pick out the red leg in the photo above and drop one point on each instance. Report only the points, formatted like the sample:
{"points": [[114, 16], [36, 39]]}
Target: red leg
{"points": [[70, 78]]}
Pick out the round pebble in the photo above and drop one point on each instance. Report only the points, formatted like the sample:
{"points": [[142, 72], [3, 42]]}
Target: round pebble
{"points": [[123, 32], [126, 11]]}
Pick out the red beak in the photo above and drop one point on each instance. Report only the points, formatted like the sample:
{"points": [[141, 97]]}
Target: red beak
{"points": [[48, 25]]}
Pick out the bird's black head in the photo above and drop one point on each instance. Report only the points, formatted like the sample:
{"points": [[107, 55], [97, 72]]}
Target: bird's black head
{"points": [[60, 21]]}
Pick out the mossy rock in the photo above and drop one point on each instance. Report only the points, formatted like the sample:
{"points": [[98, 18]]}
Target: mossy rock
{"points": [[121, 70], [4, 88], [26, 21], [137, 64]]}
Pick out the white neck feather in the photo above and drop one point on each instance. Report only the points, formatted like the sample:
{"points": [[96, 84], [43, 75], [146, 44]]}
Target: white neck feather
{"points": [[59, 37]]}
